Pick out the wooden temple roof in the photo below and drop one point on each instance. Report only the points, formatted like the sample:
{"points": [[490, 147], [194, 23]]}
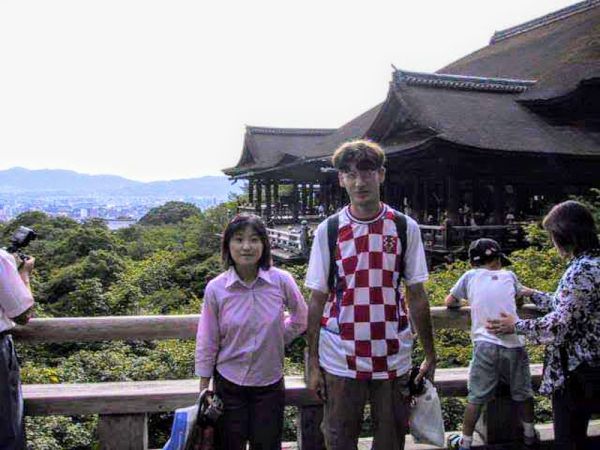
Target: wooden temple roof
{"points": [[269, 147], [481, 102], [559, 50], [479, 113]]}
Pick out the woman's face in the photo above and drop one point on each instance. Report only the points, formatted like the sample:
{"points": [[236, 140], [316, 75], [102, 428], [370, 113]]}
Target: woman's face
{"points": [[245, 247]]}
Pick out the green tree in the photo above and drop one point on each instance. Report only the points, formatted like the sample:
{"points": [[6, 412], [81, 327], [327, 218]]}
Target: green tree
{"points": [[170, 213]]}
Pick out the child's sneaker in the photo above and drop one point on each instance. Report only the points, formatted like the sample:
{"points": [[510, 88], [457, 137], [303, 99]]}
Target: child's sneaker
{"points": [[454, 441], [532, 442]]}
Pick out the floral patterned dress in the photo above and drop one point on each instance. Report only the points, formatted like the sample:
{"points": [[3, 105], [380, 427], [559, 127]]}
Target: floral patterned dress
{"points": [[572, 320]]}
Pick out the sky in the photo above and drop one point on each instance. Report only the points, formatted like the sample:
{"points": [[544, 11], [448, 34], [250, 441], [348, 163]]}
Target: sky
{"points": [[159, 90]]}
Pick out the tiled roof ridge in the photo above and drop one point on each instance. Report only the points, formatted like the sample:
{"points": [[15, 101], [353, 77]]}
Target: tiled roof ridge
{"points": [[461, 82], [290, 131], [544, 20]]}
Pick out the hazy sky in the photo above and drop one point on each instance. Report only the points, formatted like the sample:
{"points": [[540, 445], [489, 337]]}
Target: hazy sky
{"points": [[163, 89]]}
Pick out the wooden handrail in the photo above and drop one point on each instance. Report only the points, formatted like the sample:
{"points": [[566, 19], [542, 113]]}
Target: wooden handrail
{"points": [[90, 329]]}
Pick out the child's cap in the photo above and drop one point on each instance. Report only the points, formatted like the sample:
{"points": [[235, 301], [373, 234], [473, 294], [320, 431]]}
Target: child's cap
{"points": [[483, 250]]}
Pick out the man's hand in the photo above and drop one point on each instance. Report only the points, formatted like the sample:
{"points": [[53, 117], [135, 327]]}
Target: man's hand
{"points": [[316, 383], [427, 370]]}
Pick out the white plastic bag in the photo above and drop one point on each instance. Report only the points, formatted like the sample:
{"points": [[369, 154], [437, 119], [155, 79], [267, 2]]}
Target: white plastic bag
{"points": [[426, 423]]}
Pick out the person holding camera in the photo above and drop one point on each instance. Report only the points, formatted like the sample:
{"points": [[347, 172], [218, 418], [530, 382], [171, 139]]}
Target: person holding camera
{"points": [[16, 303]]}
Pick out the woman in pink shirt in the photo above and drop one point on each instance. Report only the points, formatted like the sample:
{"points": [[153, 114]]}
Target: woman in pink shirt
{"points": [[241, 336]]}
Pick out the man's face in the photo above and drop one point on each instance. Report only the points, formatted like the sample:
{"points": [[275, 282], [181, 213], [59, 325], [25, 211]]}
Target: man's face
{"points": [[362, 186]]}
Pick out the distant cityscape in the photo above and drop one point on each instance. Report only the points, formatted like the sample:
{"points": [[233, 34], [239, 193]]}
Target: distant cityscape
{"points": [[118, 201], [116, 211]]}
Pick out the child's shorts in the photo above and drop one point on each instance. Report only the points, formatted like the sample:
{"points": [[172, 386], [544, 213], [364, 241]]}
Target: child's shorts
{"points": [[492, 364]]}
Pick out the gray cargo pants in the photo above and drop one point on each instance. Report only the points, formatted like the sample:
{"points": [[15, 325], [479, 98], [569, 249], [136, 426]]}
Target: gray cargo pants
{"points": [[343, 411], [12, 430]]}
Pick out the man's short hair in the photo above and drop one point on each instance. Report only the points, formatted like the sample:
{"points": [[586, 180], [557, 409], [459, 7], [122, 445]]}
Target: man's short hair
{"points": [[365, 154]]}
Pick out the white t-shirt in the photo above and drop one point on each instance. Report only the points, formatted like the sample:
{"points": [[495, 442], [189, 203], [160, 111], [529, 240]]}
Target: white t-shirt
{"points": [[15, 298], [333, 350], [489, 293]]}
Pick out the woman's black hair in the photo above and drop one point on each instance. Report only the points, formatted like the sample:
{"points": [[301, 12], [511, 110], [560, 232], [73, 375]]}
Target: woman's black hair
{"points": [[571, 226], [238, 223]]}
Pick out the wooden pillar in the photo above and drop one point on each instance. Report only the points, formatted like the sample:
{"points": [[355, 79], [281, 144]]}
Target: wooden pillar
{"points": [[258, 206], [276, 200], [452, 199], [304, 199], [498, 424], [251, 192], [499, 202], [268, 201], [414, 198], [311, 198], [425, 200], [309, 428], [295, 201], [123, 431]]}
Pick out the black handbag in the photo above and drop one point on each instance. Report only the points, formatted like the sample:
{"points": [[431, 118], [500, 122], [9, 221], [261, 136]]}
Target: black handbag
{"points": [[582, 384]]}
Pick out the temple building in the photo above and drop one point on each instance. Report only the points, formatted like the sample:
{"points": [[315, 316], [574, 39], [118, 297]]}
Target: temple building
{"points": [[503, 131]]}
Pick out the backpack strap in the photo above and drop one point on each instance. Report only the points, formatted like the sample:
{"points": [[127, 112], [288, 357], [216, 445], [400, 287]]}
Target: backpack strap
{"points": [[400, 221], [333, 223]]}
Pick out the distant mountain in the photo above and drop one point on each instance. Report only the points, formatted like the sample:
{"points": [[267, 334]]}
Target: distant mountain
{"points": [[67, 182]]}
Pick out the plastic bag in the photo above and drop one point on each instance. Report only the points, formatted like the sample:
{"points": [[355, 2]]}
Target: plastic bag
{"points": [[426, 423], [183, 424]]}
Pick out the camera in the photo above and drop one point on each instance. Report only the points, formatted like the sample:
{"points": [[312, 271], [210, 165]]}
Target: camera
{"points": [[21, 239]]}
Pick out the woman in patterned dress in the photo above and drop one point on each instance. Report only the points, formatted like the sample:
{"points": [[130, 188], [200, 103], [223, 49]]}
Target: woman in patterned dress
{"points": [[571, 323]]}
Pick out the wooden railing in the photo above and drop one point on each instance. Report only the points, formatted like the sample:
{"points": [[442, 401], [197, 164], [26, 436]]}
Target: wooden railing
{"points": [[294, 242], [457, 238], [123, 406]]}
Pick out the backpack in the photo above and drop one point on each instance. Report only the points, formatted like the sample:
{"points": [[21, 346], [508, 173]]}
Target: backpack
{"points": [[333, 223]]}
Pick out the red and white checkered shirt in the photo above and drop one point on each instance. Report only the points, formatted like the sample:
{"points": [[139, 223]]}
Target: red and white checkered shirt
{"points": [[365, 332]]}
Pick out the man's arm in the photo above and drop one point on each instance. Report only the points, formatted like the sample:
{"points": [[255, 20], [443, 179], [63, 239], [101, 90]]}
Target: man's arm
{"points": [[418, 308], [315, 312]]}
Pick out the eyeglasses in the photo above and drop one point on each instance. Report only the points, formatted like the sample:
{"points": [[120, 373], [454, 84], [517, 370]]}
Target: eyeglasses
{"points": [[365, 174]]}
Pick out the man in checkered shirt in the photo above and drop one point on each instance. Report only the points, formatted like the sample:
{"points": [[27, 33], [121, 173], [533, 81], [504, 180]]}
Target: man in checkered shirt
{"points": [[359, 336]]}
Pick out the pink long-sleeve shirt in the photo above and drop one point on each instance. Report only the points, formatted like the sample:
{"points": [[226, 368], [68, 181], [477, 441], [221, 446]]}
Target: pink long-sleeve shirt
{"points": [[243, 327]]}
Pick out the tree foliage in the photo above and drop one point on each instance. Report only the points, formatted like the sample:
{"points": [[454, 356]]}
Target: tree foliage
{"points": [[170, 213]]}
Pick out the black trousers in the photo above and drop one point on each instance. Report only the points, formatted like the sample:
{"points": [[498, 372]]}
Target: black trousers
{"points": [[570, 422], [252, 414], [12, 430]]}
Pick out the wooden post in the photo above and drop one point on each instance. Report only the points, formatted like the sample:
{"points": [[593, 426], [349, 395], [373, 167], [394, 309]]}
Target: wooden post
{"points": [[268, 200], [251, 192], [309, 428], [498, 423], [304, 199], [414, 198], [499, 202], [276, 198], [258, 207], [295, 201], [123, 431], [311, 198], [452, 199]]}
